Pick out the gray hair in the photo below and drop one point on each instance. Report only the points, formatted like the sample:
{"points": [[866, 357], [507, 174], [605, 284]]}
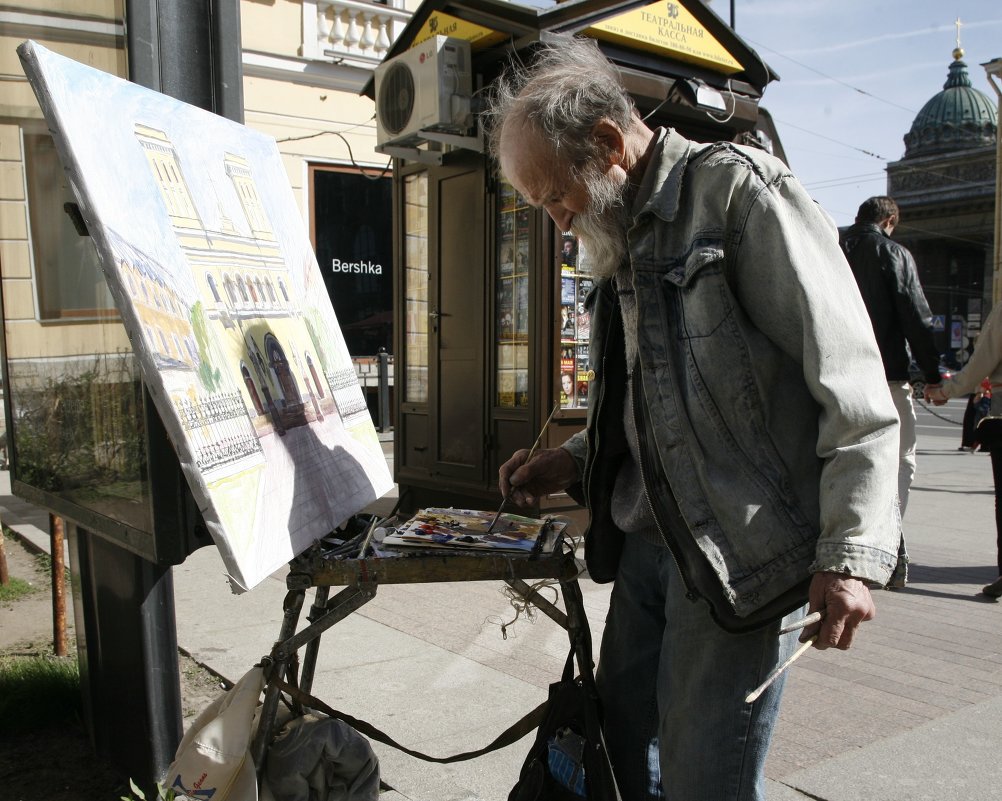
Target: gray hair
{"points": [[569, 86]]}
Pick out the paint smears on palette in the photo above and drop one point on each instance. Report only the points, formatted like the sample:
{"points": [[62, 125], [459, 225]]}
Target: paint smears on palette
{"points": [[466, 529]]}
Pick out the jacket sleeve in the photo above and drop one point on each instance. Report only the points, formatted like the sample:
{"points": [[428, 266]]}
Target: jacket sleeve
{"points": [[793, 281], [914, 314], [984, 361]]}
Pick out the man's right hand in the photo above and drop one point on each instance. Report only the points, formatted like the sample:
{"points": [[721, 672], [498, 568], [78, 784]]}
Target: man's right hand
{"points": [[934, 393], [550, 470]]}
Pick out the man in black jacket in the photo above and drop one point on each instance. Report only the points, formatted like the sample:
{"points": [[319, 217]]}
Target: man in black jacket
{"points": [[888, 281]]}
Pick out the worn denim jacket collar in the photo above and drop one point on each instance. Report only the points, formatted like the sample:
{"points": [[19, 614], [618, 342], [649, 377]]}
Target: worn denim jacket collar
{"points": [[669, 163]]}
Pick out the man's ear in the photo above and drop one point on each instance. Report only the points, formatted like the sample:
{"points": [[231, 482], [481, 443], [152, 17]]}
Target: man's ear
{"points": [[609, 134]]}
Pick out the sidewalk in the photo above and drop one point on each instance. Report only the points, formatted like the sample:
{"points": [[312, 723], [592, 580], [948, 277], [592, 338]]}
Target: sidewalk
{"points": [[912, 712]]}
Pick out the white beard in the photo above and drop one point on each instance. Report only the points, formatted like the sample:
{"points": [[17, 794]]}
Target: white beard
{"points": [[602, 228]]}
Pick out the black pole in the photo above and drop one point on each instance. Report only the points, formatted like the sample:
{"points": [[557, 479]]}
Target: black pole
{"points": [[732, 15], [190, 50], [384, 389]]}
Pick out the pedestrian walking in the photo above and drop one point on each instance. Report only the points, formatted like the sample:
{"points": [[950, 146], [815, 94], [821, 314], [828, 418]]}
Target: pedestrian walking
{"points": [[902, 322], [986, 360]]}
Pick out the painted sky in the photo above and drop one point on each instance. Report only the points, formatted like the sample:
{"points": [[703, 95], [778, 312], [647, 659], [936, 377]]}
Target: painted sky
{"points": [[98, 114], [854, 75]]}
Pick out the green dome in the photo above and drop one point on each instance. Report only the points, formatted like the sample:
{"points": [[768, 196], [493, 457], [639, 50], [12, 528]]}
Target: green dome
{"points": [[958, 118]]}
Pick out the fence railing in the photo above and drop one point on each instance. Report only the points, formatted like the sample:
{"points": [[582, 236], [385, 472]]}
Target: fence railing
{"points": [[377, 372], [349, 30]]}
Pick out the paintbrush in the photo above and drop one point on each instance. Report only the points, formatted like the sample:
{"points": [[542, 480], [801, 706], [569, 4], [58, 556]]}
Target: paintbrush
{"points": [[754, 694], [532, 452], [804, 622]]}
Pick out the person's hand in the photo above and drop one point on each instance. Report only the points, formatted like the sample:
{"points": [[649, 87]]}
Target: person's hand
{"points": [[934, 393], [550, 470], [846, 603]]}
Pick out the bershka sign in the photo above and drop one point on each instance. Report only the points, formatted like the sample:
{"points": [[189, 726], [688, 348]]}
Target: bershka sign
{"points": [[356, 267], [353, 224]]}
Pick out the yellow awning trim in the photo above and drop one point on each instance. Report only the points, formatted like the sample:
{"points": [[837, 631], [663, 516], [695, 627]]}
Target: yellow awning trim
{"points": [[441, 24], [667, 28]]}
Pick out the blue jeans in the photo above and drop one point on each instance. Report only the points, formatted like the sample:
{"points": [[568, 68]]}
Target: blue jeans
{"points": [[673, 685]]}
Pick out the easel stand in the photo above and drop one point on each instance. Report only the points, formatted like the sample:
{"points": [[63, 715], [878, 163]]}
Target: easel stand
{"points": [[360, 579]]}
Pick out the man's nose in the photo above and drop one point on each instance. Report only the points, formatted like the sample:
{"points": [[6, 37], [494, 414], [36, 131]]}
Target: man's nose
{"points": [[561, 215]]}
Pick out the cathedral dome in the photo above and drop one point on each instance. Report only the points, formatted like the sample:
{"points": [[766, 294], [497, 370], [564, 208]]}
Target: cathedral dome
{"points": [[958, 118]]}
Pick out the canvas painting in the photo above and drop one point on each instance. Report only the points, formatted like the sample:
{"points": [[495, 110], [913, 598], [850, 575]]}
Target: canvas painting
{"points": [[206, 253]]}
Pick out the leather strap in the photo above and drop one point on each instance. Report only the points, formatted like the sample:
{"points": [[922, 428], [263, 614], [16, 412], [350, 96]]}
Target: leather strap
{"points": [[513, 733]]}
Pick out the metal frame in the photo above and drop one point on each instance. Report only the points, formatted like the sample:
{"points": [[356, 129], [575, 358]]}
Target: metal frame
{"points": [[361, 579]]}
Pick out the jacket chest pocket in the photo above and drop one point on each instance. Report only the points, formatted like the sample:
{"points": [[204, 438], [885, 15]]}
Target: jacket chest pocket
{"points": [[699, 296]]}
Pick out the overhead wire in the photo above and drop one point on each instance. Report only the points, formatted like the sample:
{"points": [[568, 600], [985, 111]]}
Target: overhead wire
{"points": [[363, 170], [844, 181], [832, 78]]}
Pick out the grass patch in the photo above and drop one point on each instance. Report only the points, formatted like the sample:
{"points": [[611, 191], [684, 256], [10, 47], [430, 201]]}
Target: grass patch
{"points": [[38, 691], [16, 588]]}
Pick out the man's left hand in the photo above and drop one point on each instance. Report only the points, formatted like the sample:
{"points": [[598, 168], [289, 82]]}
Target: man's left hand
{"points": [[846, 603]]}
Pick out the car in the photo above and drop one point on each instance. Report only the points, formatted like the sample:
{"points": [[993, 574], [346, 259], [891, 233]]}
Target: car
{"points": [[917, 378]]}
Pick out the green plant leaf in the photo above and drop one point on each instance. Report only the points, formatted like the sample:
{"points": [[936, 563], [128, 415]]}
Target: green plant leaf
{"points": [[139, 793]]}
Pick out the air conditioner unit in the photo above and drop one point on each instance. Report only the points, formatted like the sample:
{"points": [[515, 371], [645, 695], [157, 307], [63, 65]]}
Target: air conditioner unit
{"points": [[426, 88]]}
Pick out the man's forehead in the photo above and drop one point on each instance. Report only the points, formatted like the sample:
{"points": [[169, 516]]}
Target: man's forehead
{"points": [[528, 163]]}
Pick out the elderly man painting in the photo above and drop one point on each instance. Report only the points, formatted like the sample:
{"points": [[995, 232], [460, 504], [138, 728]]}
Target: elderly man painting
{"points": [[740, 456]]}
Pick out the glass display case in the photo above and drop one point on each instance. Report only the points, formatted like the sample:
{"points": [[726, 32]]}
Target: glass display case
{"points": [[511, 287], [575, 284]]}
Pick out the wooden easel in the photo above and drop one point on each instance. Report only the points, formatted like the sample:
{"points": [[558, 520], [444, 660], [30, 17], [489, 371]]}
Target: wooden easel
{"points": [[361, 578]]}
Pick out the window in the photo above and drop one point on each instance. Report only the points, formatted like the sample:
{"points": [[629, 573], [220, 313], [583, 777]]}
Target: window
{"points": [[416, 287], [511, 286], [68, 278]]}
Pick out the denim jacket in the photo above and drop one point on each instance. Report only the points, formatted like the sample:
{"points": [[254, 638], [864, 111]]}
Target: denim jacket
{"points": [[768, 436]]}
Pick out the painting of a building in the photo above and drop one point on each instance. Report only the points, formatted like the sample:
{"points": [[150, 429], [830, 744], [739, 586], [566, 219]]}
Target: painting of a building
{"points": [[210, 265]]}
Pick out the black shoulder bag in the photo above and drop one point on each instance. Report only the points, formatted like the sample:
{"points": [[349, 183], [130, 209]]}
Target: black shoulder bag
{"points": [[568, 759], [988, 432]]}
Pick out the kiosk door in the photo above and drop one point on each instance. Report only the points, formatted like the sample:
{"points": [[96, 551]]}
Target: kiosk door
{"points": [[457, 311]]}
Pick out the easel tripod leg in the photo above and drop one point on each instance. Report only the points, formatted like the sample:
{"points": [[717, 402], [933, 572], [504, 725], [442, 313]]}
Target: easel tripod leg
{"points": [[275, 664]]}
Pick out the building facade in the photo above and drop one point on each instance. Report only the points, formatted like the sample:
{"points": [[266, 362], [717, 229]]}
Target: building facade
{"points": [[304, 63], [945, 186]]}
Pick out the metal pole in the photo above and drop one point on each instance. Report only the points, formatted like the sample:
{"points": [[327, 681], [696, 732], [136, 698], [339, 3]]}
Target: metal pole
{"points": [[4, 575], [56, 546], [994, 70], [384, 389], [126, 632]]}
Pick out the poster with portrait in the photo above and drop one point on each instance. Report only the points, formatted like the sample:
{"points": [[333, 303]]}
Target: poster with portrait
{"points": [[584, 323], [568, 251], [567, 315], [506, 308], [568, 293], [204, 249], [521, 307]]}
